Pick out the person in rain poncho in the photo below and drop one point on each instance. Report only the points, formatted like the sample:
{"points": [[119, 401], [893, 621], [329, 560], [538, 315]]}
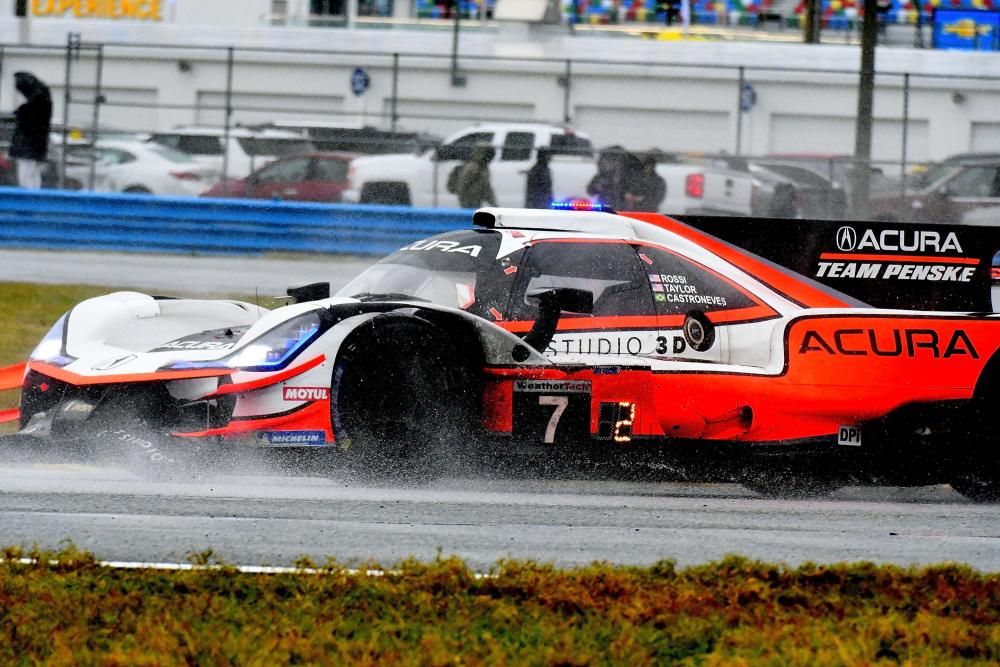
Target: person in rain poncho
{"points": [[473, 187], [29, 145]]}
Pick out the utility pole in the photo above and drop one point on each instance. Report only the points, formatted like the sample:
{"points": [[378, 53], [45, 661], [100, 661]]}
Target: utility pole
{"points": [[810, 29], [863, 124]]}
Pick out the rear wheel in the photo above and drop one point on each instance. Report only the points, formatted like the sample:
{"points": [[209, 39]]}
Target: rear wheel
{"points": [[977, 470], [403, 402]]}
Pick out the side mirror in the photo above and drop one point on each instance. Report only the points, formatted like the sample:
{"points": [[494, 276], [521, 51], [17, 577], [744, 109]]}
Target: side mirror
{"points": [[552, 302], [310, 292]]}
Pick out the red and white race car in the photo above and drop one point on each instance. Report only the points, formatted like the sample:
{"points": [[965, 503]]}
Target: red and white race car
{"points": [[567, 330]]}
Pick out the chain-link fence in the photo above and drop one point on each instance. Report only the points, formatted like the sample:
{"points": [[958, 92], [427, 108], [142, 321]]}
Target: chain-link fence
{"points": [[252, 104]]}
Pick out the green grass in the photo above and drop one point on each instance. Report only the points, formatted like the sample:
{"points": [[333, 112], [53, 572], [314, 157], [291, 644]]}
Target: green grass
{"points": [[67, 609], [28, 310]]}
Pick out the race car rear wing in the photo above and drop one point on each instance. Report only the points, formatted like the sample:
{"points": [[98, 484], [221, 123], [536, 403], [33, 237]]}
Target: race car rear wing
{"points": [[884, 264]]}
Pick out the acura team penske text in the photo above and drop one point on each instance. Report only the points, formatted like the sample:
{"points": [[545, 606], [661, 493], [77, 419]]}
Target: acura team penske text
{"points": [[553, 329]]}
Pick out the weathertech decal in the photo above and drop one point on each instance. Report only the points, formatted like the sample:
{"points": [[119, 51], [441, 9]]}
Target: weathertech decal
{"points": [[550, 386], [908, 342], [306, 393]]}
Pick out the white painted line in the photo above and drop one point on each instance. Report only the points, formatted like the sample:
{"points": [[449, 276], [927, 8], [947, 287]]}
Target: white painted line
{"points": [[246, 569]]}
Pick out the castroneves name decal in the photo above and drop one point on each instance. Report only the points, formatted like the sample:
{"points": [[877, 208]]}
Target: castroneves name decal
{"points": [[897, 240], [445, 246], [306, 393], [908, 342]]}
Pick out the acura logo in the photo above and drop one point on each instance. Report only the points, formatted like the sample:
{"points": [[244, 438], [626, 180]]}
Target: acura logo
{"points": [[847, 239], [114, 362]]}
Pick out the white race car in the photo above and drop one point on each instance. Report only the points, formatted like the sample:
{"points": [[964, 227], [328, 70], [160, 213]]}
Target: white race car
{"points": [[561, 329]]}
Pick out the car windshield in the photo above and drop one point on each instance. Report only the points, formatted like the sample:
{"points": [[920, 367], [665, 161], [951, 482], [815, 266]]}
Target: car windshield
{"points": [[443, 269]]}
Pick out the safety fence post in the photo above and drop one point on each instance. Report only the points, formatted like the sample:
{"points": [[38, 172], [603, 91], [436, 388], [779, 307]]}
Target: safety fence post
{"points": [[228, 113], [739, 110], [72, 51], [96, 120], [906, 131], [394, 103], [566, 81]]}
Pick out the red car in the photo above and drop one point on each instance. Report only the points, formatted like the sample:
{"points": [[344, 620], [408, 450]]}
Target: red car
{"points": [[320, 177]]}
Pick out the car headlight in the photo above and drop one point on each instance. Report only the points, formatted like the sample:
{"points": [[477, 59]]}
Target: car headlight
{"points": [[270, 351], [52, 348]]}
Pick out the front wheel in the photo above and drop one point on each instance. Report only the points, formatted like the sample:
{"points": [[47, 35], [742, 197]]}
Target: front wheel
{"points": [[402, 402]]}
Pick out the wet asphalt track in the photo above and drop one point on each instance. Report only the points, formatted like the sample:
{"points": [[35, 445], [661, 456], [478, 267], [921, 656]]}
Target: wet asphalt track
{"points": [[271, 516], [268, 517]]}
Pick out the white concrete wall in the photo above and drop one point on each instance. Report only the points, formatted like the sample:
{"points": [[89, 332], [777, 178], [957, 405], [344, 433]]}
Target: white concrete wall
{"points": [[683, 96]]}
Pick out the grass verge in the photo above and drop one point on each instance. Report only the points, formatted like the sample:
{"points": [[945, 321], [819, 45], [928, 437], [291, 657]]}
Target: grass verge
{"points": [[67, 609]]}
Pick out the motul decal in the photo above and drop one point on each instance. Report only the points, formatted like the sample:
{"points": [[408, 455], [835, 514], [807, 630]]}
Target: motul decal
{"points": [[306, 393], [894, 343]]}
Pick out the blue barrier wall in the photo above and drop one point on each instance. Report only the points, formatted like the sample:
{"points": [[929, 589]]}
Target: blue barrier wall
{"points": [[144, 223]]}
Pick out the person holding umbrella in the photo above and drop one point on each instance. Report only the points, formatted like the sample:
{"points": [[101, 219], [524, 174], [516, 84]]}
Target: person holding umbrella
{"points": [[29, 145]]}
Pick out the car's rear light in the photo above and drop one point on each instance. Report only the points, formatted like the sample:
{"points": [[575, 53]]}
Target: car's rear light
{"points": [[995, 273], [694, 186], [185, 176]]}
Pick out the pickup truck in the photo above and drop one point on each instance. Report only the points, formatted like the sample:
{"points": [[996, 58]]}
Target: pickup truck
{"points": [[421, 180]]}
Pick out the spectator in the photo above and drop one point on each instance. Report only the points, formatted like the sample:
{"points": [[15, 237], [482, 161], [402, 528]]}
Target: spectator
{"points": [[29, 145], [646, 190], [607, 186], [538, 189], [882, 8], [473, 186]]}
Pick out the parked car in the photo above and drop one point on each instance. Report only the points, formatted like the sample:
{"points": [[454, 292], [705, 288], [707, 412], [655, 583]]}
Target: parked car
{"points": [[140, 167], [360, 139], [320, 177], [248, 149], [421, 180], [944, 193], [753, 187]]}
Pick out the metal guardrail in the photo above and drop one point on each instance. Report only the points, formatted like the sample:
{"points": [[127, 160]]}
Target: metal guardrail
{"points": [[144, 223]]}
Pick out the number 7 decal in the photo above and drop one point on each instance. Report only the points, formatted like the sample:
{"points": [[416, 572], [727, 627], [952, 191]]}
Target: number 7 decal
{"points": [[560, 403]]}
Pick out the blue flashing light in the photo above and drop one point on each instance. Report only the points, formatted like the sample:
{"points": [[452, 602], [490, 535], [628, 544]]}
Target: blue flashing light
{"points": [[580, 205]]}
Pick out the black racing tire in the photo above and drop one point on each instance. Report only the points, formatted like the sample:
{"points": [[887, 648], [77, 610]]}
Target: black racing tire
{"points": [[976, 469], [978, 486], [403, 402]]}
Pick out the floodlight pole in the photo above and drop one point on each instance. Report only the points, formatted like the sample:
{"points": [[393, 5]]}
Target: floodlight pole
{"points": [[863, 123], [457, 79]]}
